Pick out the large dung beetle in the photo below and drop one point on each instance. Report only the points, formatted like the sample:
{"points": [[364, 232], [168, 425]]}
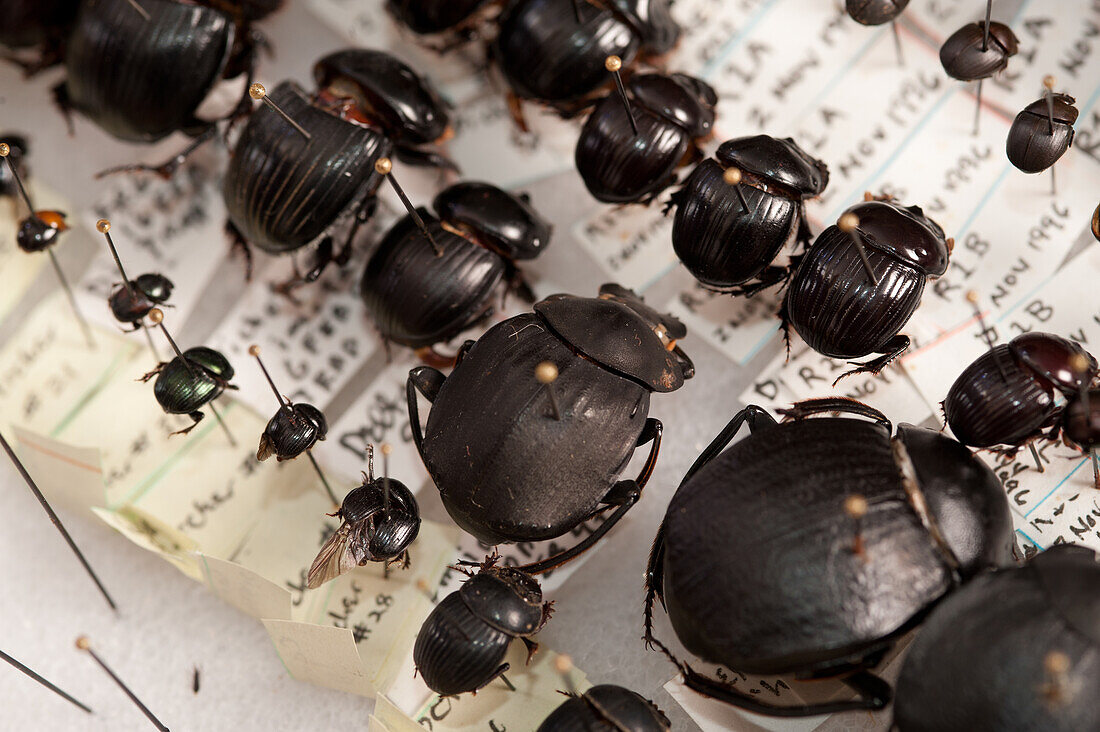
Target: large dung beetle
{"points": [[1016, 649], [1042, 132], [191, 380], [462, 644], [527, 436], [140, 71], [131, 301], [862, 279], [379, 520], [606, 708], [733, 215], [287, 184], [420, 295], [810, 546], [40, 24], [629, 153], [428, 17], [548, 56]]}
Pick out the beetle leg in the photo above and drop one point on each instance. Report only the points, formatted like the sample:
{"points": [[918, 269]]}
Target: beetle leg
{"points": [[427, 381], [463, 350], [532, 648], [154, 372], [809, 407], [663, 186], [754, 416], [517, 283], [675, 199], [654, 584], [424, 158], [169, 167], [874, 694], [197, 417], [363, 214], [65, 104], [804, 236], [893, 348], [237, 241], [499, 672], [770, 277], [322, 258]]}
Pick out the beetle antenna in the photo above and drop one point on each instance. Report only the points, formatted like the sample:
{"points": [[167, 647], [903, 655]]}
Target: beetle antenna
{"points": [[856, 506], [546, 373], [577, 10], [1057, 665], [258, 92], [985, 34], [386, 449], [156, 317], [1048, 82], [614, 64], [44, 682], [134, 4], [384, 168], [72, 299], [563, 664], [733, 177], [83, 644], [987, 334], [849, 224], [55, 520], [103, 226], [5, 152]]}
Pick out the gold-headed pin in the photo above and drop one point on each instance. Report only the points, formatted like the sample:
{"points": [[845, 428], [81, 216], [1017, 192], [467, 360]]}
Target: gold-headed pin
{"points": [[563, 664], [85, 645], [856, 506], [614, 64], [259, 93], [385, 448], [1048, 84], [546, 373], [849, 224], [733, 177], [384, 168]]}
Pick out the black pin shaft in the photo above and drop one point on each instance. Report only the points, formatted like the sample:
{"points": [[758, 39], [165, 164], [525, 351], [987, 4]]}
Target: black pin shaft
{"points": [[415, 216], [122, 685], [44, 682], [72, 299]]}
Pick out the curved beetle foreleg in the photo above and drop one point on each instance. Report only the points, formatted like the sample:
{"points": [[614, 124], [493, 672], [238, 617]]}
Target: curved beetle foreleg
{"points": [[896, 346], [427, 381], [169, 167], [752, 414], [874, 694]]}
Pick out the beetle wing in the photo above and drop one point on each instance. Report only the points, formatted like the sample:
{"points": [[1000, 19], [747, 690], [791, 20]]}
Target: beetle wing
{"points": [[338, 555]]}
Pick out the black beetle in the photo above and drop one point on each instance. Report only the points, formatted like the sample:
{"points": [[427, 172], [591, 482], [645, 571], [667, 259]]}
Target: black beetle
{"points": [[131, 304], [294, 429], [283, 191], [1007, 396], [1041, 133], [963, 57], [810, 546], [874, 12], [520, 458], [140, 75], [462, 644], [674, 113], [1015, 649], [852, 292], [546, 55], [380, 519], [428, 17], [40, 24], [723, 243], [419, 296], [184, 385], [606, 708]]}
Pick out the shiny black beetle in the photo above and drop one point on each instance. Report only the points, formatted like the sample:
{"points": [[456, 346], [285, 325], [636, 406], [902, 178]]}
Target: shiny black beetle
{"points": [[141, 75], [546, 55], [723, 243], [462, 644], [184, 385], [606, 708], [810, 546], [294, 429], [874, 12], [429, 17], [130, 304], [1013, 392], [420, 295], [852, 292], [674, 113], [39, 24], [963, 57], [380, 519], [1041, 134], [39, 230], [1015, 649], [520, 458], [368, 106]]}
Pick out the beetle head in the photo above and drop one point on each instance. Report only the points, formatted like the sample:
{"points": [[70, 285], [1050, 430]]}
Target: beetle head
{"points": [[1053, 358], [494, 218], [36, 233], [505, 598], [681, 99], [1064, 111], [389, 92], [776, 161], [905, 233], [211, 361], [957, 497]]}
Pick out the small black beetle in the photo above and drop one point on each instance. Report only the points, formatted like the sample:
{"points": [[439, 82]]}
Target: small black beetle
{"points": [[419, 296], [606, 708], [723, 243], [131, 304], [428, 17], [380, 519], [284, 191], [1007, 395], [874, 12], [1015, 649], [963, 57], [674, 113], [852, 292], [36, 23], [546, 55], [184, 385], [293, 430], [520, 458], [810, 546], [462, 644], [141, 75], [1041, 133]]}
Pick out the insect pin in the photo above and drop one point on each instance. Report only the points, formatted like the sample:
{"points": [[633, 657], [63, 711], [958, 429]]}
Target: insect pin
{"points": [[38, 232], [45, 682], [294, 429], [258, 92], [976, 52], [384, 168], [132, 300], [877, 12], [85, 645]]}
